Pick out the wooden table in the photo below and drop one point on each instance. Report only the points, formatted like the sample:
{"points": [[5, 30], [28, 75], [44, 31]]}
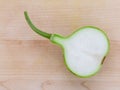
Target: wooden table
{"points": [[31, 62]]}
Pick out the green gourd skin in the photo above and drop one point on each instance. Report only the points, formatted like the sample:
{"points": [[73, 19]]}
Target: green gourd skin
{"points": [[59, 40]]}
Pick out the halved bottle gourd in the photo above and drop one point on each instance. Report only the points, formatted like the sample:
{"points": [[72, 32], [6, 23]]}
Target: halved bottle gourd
{"points": [[84, 50]]}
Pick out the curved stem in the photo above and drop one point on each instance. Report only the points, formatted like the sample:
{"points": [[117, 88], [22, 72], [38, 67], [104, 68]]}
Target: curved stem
{"points": [[44, 34]]}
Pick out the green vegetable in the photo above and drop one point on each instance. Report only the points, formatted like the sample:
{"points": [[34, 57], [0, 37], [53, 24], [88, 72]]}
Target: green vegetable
{"points": [[84, 50]]}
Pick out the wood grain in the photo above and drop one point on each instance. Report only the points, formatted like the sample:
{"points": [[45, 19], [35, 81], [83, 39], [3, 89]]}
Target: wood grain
{"points": [[30, 62]]}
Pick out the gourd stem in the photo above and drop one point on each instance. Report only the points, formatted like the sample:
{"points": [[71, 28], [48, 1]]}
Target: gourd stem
{"points": [[44, 34]]}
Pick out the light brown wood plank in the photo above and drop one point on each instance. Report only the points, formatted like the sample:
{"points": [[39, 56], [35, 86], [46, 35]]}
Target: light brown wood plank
{"points": [[30, 62]]}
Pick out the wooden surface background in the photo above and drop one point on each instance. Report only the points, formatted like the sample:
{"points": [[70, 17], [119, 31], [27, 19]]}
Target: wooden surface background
{"points": [[31, 62]]}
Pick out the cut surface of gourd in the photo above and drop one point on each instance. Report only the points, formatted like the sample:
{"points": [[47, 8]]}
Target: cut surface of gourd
{"points": [[84, 50]]}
